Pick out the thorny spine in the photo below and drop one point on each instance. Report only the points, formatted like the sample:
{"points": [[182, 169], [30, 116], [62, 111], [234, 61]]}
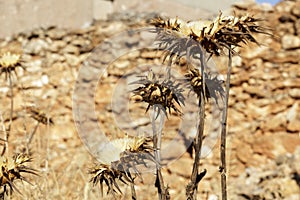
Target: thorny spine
{"points": [[11, 169], [133, 192]]}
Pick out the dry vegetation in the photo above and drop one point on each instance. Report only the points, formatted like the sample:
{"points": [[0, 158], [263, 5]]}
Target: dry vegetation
{"points": [[40, 69]]}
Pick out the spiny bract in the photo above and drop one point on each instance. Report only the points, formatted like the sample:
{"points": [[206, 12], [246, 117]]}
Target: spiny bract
{"points": [[9, 62], [127, 153], [39, 115], [213, 36], [213, 86], [163, 94], [12, 168]]}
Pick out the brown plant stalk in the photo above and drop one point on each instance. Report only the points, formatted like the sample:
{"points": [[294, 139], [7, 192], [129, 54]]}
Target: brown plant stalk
{"points": [[192, 187], [224, 131], [157, 134], [29, 140], [7, 132]]}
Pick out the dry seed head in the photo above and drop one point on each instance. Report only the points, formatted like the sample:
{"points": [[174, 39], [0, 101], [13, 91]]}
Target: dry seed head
{"points": [[39, 116], [103, 173], [165, 94], [173, 24], [9, 62], [223, 32], [11, 169], [213, 86], [131, 152]]}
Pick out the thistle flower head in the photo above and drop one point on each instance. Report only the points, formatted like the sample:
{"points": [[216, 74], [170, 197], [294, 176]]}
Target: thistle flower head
{"points": [[12, 168], [213, 86], [103, 173], [9, 62], [39, 115], [127, 154], [225, 32], [163, 94]]}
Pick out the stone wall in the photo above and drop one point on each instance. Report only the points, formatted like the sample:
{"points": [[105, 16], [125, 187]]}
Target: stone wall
{"points": [[23, 15]]}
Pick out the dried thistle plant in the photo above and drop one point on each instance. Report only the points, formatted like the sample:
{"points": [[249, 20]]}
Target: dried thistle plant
{"points": [[165, 95], [121, 161], [12, 169], [195, 39]]}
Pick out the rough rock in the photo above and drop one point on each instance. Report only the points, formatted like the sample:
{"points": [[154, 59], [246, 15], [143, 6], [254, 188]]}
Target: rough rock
{"points": [[290, 42]]}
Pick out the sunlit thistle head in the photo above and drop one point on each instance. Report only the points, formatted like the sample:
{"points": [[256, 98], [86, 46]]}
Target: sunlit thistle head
{"points": [[12, 169], [224, 32], [213, 86], [120, 157], [9, 62], [164, 95]]}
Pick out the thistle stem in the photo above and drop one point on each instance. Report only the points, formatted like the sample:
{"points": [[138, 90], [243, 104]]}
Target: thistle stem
{"points": [[192, 187], [4, 130], [224, 131], [157, 134], [7, 132], [31, 136], [133, 193]]}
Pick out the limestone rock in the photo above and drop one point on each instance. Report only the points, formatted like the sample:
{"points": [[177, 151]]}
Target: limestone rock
{"points": [[295, 93], [293, 118], [290, 42]]}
